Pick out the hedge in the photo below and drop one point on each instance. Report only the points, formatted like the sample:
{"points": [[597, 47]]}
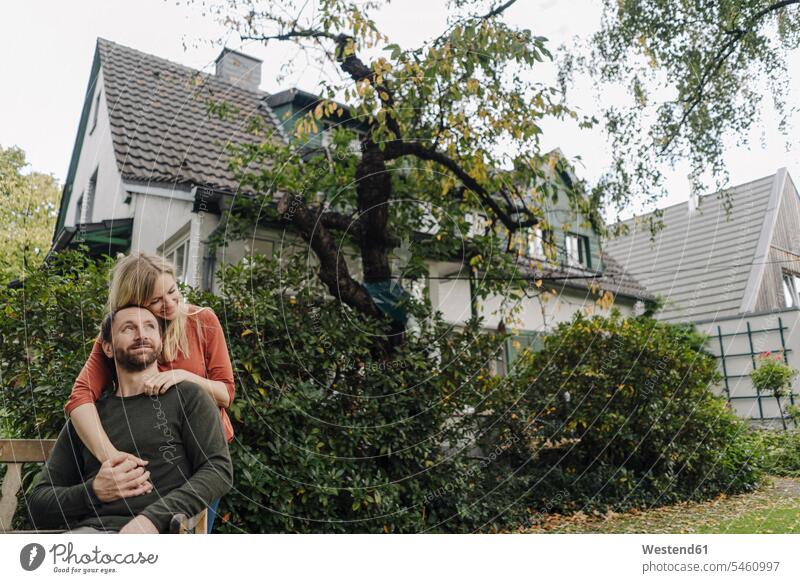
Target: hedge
{"points": [[333, 435]]}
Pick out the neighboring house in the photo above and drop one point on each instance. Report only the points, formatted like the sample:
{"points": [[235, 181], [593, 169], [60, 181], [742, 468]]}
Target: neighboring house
{"points": [[730, 263], [149, 171]]}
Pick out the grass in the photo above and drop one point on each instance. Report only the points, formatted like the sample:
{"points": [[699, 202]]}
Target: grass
{"points": [[773, 509]]}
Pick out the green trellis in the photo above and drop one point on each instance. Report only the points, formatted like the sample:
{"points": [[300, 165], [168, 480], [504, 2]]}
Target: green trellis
{"points": [[752, 354]]}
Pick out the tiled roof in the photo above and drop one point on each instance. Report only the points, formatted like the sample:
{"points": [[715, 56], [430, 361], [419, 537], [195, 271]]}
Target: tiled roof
{"points": [[613, 279], [161, 128], [700, 261], [618, 281]]}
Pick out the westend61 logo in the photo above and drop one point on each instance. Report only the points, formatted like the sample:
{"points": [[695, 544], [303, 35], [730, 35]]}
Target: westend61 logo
{"points": [[66, 560]]}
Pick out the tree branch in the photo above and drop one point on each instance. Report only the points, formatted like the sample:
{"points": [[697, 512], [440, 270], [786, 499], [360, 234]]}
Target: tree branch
{"points": [[340, 222], [291, 35], [333, 269], [725, 51], [497, 10], [397, 148]]}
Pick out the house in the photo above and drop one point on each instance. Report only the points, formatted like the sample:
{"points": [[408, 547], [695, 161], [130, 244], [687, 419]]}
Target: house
{"points": [[149, 171], [728, 262]]}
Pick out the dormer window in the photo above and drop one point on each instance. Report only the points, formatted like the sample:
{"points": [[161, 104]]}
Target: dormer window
{"points": [[540, 243], [477, 224], [577, 250]]}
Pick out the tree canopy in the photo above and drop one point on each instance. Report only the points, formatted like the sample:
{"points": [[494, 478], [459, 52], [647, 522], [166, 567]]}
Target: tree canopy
{"points": [[699, 76], [29, 212], [449, 136], [450, 131]]}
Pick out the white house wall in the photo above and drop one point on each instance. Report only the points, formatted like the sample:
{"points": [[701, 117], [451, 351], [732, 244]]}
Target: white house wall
{"points": [[452, 298], [156, 219], [97, 153]]}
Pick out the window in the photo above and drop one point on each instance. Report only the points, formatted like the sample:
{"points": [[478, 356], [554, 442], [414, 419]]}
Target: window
{"points": [[477, 224], [258, 247], [95, 112], [578, 250], [524, 341], [88, 203], [179, 256], [79, 210], [540, 243], [791, 288]]}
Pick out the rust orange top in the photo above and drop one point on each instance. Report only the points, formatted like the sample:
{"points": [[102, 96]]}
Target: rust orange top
{"points": [[208, 357]]}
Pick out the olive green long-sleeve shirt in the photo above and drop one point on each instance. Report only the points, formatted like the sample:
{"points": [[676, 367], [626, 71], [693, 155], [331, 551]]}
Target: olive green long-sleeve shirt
{"points": [[178, 432]]}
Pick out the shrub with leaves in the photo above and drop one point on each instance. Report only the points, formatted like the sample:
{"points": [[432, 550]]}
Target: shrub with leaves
{"points": [[334, 434], [619, 413], [781, 452], [337, 433], [49, 324]]}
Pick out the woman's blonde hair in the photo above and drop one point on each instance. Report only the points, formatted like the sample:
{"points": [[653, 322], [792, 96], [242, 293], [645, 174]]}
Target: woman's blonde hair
{"points": [[133, 280]]}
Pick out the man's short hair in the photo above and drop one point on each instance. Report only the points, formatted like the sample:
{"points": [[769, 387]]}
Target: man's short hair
{"points": [[105, 326], [108, 320]]}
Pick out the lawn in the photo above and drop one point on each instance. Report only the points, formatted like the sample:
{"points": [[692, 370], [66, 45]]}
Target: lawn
{"points": [[774, 508]]}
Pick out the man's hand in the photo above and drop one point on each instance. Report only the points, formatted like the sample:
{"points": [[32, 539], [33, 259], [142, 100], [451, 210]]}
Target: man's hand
{"points": [[121, 477], [115, 452], [139, 525], [160, 383]]}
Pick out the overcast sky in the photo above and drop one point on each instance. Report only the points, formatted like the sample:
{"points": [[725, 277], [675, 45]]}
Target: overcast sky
{"points": [[47, 49]]}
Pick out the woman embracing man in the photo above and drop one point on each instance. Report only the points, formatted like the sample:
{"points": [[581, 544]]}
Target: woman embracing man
{"points": [[194, 350]]}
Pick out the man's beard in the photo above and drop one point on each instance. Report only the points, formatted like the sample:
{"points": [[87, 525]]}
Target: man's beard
{"points": [[138, 361]]}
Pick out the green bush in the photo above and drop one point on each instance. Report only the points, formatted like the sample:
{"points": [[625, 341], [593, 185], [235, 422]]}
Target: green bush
{"points": [[619, 413], [334, 435], [48, 327], [781, 452]]}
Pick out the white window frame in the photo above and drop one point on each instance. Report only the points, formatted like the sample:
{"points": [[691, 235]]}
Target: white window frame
{"points": [[538, 240], [535, 243], [171, 255], [477, 224], [88, 198], [429, 223], [577, 248], [95, 112], [791, 289]]}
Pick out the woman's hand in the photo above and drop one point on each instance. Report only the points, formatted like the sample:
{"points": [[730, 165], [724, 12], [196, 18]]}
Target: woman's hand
{"points": [[160, 383]]}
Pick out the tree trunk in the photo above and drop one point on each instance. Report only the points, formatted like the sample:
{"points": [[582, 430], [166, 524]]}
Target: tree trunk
{"points": [[374, 193], [780, 410], [374, 190]]}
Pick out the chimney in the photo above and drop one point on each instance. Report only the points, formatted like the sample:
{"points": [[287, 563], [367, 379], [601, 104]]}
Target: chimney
{"points": [[694, 201], [239, 69]]}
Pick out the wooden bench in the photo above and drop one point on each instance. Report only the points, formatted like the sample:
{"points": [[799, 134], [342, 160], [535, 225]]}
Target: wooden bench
{"points": [[15, 452]]}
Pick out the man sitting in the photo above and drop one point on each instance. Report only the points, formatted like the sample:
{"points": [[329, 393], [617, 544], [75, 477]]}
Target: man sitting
{"points": [[178, 433]]}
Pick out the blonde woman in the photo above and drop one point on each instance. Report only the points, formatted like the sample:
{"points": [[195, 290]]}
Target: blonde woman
{"points": [[194, 350]]}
